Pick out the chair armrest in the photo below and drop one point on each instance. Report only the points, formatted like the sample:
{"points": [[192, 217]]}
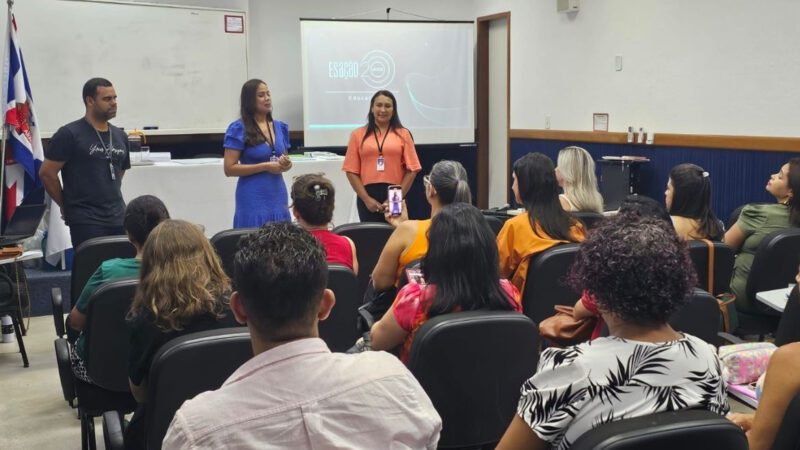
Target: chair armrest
{"points": [[113, 430], [58, 311], [727, 338], [65, 369]]}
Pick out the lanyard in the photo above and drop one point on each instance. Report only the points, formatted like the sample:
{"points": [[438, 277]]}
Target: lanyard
{"points": [[107, 150], [380, 144], [269, 140]]}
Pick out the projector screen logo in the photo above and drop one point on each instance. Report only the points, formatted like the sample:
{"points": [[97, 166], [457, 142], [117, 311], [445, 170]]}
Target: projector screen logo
{"points": [[377, 69]]}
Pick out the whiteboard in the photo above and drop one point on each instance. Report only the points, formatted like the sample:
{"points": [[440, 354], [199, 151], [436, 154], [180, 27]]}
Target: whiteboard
{"points": [[172, 67]]}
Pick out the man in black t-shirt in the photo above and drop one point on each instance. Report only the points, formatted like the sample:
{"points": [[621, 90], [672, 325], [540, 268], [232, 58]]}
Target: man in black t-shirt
{"points": [[92, 156]]}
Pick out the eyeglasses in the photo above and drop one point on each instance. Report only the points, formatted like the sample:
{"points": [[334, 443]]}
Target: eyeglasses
{"points": [[427, 180]]}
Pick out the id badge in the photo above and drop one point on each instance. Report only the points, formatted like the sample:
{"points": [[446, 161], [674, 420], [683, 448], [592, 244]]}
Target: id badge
{"points": [[380, 164], [111, 169], [273, 158]]}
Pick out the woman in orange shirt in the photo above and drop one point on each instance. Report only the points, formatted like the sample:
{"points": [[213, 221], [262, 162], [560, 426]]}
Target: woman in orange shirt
{"points": [[545, 224], [380, 154]]}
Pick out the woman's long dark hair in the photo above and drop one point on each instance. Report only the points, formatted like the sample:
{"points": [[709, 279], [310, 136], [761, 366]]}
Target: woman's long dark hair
{"points": [[247, 111], [794, 185], [462, 262], [538, 189], [394, 122], [691, 198]]}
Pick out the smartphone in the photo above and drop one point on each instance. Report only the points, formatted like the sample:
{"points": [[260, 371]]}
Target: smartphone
{"points": [[395, 200]]}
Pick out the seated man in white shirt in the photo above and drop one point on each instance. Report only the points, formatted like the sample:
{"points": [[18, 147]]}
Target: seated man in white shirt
{"points": [[294, 393]]}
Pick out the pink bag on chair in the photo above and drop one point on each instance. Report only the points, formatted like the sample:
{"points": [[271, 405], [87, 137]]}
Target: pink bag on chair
{"points": [[744, 363]]}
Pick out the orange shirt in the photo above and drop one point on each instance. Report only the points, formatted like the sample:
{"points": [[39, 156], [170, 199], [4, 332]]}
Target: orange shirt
{"points": [[418, 249], [399, 155], [517, 244]]}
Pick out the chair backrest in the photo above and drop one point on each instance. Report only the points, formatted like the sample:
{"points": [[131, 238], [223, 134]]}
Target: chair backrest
{"points": [[685, 430], [494, 223], [90, 254], [789, 325], [590, 219], [472, 365], [545, 285], [339, 330], [369, 239], [734, 217], [699, 317], [788, 437], [775, 262], [187, 366], [107, 339], [226, 243], [724, 257]]}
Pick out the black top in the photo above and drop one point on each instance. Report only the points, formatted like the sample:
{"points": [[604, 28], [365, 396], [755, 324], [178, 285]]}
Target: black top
{"points": [[147, 338], [91, 195], [789, 326]]}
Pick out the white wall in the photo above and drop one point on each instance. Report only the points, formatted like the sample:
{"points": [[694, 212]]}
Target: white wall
{"points": [[274, 39], [689, 66]]}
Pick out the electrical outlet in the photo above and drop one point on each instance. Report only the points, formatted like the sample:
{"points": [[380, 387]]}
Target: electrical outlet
{"points": [[546, 122]]}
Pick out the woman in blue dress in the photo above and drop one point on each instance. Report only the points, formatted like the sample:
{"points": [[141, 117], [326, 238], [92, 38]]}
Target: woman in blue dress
{"points": [[256, 151]]}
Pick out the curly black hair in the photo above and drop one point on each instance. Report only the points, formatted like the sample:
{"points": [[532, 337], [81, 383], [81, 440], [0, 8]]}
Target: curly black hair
{"points": [[636, 268]]}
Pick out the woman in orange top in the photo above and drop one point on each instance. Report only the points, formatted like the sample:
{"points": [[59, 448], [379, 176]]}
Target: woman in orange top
{"points": [[446, 184], [545, 224], [380, 154]]}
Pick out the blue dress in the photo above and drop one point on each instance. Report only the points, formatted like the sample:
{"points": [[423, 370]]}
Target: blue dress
{"points": [[261, 197]]}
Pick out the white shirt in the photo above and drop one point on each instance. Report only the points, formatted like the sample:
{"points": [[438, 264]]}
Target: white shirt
{"points": [[299, 395]]}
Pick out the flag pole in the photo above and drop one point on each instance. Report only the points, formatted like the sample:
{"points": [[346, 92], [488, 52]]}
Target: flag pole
{"points": [[6, 71]]}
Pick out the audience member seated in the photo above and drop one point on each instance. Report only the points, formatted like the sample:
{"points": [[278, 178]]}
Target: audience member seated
{"points": [[294, 393], [637, 205], [447, 183], [461, 274], [758, 220], [182, 289], [576, 175], [688, 200], [544, 225], [781, 385], [141, 215], [312, 205], [639, 272]]}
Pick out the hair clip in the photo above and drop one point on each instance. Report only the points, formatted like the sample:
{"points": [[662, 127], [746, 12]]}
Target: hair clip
{"points": [[705, 174], [319, 194]]}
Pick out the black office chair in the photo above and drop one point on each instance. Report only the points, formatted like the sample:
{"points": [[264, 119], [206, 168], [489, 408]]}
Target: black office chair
{"points": [[724, 257], [88, 257], [788, 437], [699, 317], [545, 285], [734, 217], [774, 266], [107, 346], [494, 223], [226, 243], [181, 369], [590, 219], [685, 430], [339, 330], [369, 239], [789, 325], [472, 365]]}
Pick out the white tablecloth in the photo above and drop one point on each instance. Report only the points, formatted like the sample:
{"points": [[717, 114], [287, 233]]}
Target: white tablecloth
{"points": [[201, 193]]}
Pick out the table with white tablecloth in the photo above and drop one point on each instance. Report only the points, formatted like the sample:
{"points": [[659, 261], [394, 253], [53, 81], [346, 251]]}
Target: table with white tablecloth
{"points": [[199, 191]]}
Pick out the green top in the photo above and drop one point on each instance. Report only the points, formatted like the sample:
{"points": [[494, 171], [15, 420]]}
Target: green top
{"points": [[756, 221], [113, 269]]}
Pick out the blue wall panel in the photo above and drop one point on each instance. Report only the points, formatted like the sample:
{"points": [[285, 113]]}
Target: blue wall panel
{"points": [[737, 176]]}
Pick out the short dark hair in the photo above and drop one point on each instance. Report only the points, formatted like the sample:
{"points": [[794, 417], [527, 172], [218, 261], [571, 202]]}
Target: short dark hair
{"points": [[142, 215], [90, 87], [636, 268], [313, 198], [280, 274], [644, 206]]}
